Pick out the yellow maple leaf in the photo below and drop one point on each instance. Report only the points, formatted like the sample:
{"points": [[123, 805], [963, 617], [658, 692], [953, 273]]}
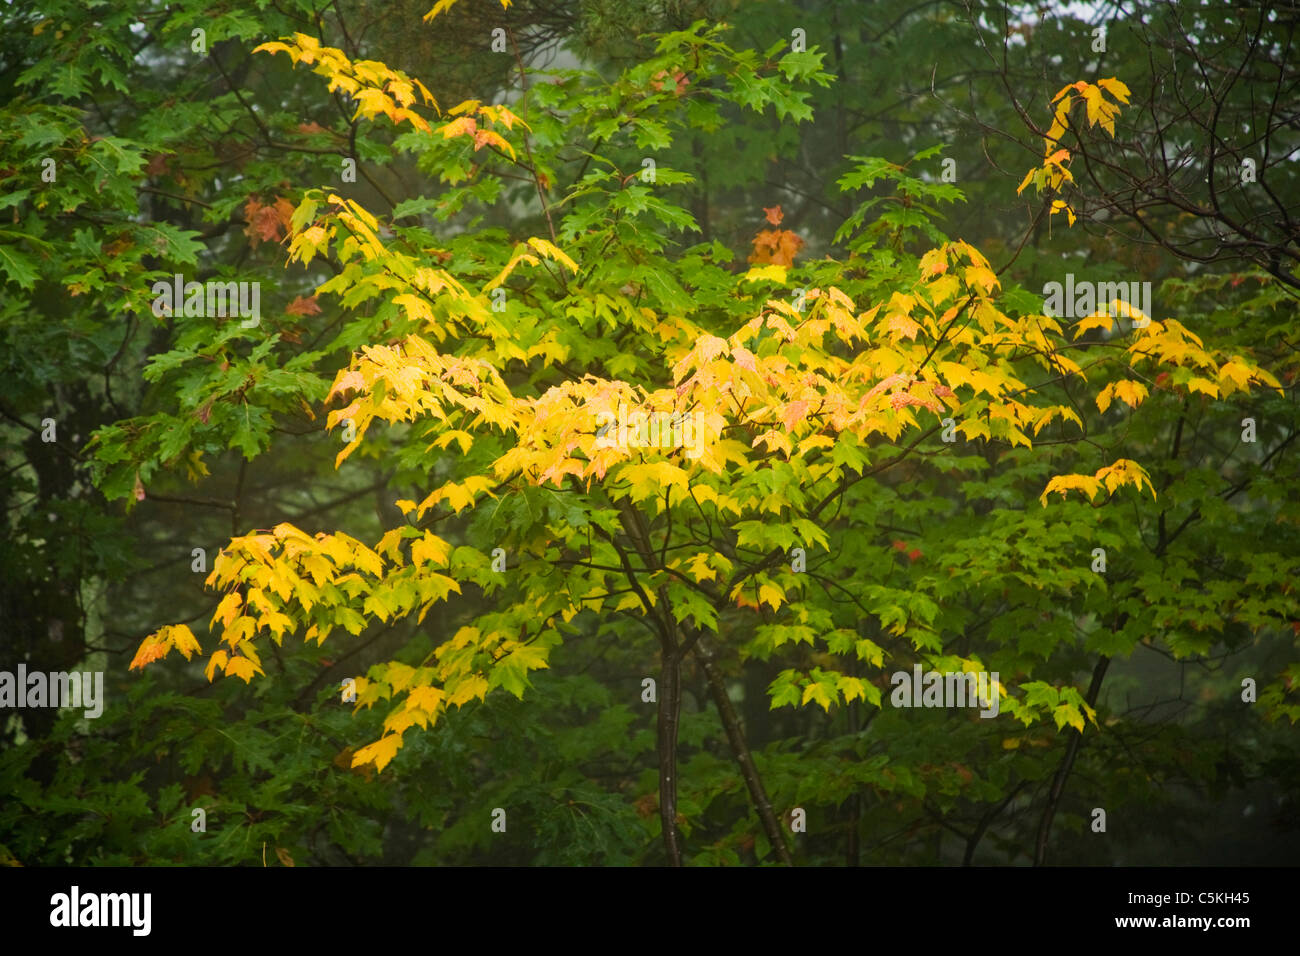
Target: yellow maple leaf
{"points": [[770, 594], [1064, 483], [380, 753], [242, 667], [1130, 392], [183, 640], [218, 659]]}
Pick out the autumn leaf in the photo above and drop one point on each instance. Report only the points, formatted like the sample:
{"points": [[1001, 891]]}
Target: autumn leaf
{"points": [[303, 305], [151, 649], [267, 223], [777, 247], [774, 215], [380, 753]]}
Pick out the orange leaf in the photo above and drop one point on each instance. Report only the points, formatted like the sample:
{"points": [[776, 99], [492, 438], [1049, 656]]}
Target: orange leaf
{"points": [[303, 305]]}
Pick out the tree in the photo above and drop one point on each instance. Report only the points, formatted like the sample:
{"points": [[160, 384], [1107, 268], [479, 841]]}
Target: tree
{"points": [[177, 149], [753, 416]]}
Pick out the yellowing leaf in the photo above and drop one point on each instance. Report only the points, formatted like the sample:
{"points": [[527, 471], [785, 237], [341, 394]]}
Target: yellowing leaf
{"points": [[184, 640], [772, 272], [1236, 373], [815, 691], [1098, 320], [242, 667], [1064, 483], [380, 753], [770, 594], [1115, 88], [218, 659], [1130, 392], [430, 548], [470, 687]]}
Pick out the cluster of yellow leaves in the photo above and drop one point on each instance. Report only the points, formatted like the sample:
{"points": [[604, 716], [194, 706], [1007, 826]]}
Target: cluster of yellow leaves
{"points": [[1053, 173], [412, 380], [376, 88], [160, 644], [274, 580], [1167, 343], [1123, 472], [467, 125], [521, 254], [459, 671], [1213, 373], [779, 385]]}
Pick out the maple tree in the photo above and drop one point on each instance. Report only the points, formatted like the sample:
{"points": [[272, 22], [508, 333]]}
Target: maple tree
{"points": [[794, 406], [412, 472]]}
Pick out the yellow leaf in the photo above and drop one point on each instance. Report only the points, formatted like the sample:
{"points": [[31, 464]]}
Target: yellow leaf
{"points": [[1064, 483], [771, 594], [982, 277], [1125, 471], [1094, 102], [1236, 373], [430, 548], [1105, 397], [776, 273], [471, 687], [242, 667], [241, 628], [552, 252], [1132, 393], [427, 699], [1098, 320], [218, 659], [228, 609], [1115, 88], [185, 641], [380, 753]]}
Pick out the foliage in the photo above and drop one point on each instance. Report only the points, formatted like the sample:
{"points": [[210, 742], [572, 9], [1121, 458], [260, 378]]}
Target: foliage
{"points": [[601, 449]]}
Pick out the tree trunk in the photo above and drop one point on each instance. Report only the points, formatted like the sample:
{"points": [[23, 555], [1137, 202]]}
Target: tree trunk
{"points": [[739, 746]]}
